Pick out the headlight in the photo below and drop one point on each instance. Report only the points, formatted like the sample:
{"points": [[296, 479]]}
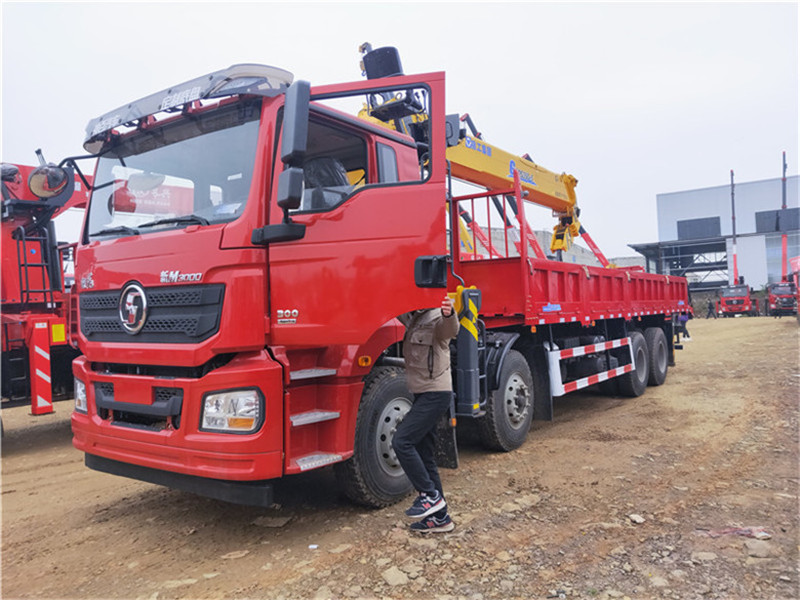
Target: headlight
{"points": [[235, 411], [80, 396]]}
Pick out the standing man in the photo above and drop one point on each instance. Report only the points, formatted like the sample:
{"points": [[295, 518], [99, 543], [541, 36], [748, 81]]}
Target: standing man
{"points": [[426, 349], [711, 310]]}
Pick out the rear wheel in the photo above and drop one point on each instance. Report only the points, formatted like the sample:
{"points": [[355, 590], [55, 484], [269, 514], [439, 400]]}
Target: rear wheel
{"points": [[658, 352], [509, 410], [373, 476], [633, 384]]}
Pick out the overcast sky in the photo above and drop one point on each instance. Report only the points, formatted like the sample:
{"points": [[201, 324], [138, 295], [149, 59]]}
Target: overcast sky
{"points": [[634, 99]]}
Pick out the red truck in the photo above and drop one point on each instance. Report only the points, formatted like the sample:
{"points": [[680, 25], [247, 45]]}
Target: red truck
{"points": [[36, 353], [795, 279], [782, 299], [736, 300], [247, 249]]}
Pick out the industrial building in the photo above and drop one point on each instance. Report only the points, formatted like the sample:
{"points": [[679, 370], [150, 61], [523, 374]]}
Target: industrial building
{"points": [[695, 233]]}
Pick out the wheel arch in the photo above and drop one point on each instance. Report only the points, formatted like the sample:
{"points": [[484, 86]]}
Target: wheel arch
{"points": [[498, 344]]}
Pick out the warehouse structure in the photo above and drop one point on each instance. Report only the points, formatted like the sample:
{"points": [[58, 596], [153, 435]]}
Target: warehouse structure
{"points": [[695, 233]]}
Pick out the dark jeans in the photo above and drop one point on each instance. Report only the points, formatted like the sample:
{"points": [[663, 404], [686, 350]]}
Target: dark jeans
{"points": [[415, 440]]}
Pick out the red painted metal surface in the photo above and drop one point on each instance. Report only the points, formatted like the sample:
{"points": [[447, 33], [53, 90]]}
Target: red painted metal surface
{"points": [[518, 290], [186, 449], [34, 309], [343, 284]]}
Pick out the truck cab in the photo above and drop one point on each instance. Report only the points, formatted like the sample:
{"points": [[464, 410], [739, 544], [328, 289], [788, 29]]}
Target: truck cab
{"points": [[735, 300], [223, 311], [782, 298]]}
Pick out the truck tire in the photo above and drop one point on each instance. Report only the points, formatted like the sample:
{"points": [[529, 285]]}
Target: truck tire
{"points": [[633, 384], [509, 410], [658, 352], [373, 476]]}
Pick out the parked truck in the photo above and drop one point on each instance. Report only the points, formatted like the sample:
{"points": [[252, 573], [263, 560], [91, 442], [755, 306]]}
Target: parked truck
{"points": [[795, 279], [36, 353], [249, 245], [782, 299], [736, 300]]}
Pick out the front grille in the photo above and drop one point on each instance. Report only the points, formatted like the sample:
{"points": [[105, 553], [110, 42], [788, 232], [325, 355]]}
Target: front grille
{"points": [[98, 302], [176, 315], [163, 412], [104, 389], [162, 394]]}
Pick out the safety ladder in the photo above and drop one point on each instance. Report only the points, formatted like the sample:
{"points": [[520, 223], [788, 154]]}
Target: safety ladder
{"points": [[27, 246]]}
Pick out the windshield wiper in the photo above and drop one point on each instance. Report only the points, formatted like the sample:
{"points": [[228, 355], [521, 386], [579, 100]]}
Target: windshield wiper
{"points": [[182, 219], [118, 229]]}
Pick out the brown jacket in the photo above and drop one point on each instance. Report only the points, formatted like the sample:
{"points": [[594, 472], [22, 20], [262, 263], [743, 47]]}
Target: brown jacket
{"points": [[426, 348]]}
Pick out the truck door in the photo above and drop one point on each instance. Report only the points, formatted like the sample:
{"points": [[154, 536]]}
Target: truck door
{"points": [[370, 210]]}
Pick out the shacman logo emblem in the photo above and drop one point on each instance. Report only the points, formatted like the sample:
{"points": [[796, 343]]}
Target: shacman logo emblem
{"points": [[132, 308]]}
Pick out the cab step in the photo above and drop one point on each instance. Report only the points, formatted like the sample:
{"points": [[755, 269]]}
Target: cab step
{"points": [[314, 461], [313, 416], [310, 374]]}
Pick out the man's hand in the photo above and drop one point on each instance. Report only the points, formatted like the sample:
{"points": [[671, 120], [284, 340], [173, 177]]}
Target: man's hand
{"points": [[447, 306]]}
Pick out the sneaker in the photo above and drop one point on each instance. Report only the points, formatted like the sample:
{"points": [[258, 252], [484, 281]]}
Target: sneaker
{"points": [[686, 338], [426, 505], [433, 525]]}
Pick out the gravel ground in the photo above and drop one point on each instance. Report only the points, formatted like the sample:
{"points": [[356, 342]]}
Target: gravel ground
{"points": [[690, 491]]}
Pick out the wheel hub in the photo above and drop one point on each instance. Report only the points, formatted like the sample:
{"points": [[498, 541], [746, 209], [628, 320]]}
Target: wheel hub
{"points": [[517, 400], [391, 416]]}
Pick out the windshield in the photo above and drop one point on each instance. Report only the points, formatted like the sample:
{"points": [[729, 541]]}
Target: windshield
{"points": [[735, 291], [196, 170], [783, 288]]}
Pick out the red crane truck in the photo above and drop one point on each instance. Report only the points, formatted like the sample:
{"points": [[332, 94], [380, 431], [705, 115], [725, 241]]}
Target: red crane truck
{"points": [[795, 278], [247, 249], [782, 298], [36, 353], [736, 300]]}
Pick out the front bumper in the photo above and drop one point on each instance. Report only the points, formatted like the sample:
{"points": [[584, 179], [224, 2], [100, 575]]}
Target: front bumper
{"points": [[250, 493], [139, 427]]}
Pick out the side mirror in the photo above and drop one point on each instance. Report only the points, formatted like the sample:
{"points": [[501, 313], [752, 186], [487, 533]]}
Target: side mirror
{"points": [[291, 186], [48, 181], [295, 124], [291, 182]]}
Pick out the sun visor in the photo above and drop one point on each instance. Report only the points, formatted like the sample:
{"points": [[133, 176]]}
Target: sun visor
{"points": [[254, 79]]}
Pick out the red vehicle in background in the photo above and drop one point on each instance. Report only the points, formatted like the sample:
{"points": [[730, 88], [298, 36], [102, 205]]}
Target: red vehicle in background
{"points": [[795, 278], [36, 355], [736, 300], [782, 298]]}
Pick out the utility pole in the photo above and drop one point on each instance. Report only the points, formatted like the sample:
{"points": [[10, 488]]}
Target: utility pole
{"points": [[782, 224], [733, 221]]}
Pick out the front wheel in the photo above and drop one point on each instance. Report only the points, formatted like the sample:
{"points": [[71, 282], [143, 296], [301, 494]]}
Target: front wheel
{"points": [[509, 410], [373, 475]]}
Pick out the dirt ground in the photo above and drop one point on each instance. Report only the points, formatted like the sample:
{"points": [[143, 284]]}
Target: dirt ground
{"points": [[690, 491]]}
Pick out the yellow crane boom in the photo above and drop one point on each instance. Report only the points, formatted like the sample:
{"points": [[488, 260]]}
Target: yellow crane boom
{"points": [[474, 160]]}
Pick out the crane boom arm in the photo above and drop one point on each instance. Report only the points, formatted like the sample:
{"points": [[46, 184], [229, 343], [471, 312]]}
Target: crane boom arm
{"points": [[478, 162]]}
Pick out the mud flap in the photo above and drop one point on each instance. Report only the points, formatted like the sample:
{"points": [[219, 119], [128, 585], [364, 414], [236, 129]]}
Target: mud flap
{"points": [[446, 449]]}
